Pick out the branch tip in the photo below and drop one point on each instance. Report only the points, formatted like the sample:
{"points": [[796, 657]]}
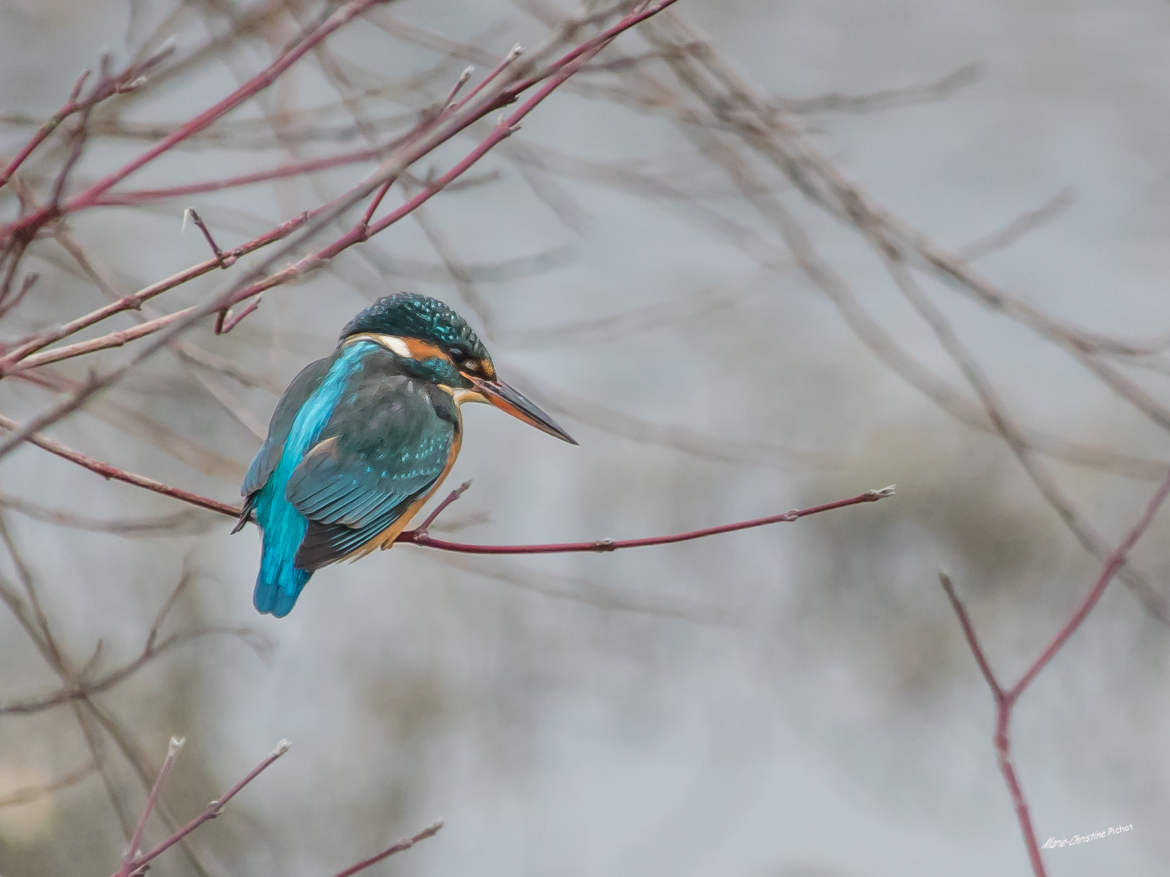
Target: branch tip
{"points": [[175, 745], [281, 747], [78, 85]]}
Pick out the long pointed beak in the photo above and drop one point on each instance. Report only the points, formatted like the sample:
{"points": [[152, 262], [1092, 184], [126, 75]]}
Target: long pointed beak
{"points": [[507, 398]]}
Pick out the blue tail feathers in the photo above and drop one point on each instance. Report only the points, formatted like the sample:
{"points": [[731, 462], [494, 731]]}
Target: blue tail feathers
{"points": [[279, 584]]}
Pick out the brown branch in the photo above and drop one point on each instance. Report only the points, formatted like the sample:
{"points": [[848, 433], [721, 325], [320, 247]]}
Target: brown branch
{"points": [[1021, 225], [77, 687], [885, 99], [834, 286], [29, 280], [31, 793], [1046, 484], [85, 689], [601, 595], [85, 709]]}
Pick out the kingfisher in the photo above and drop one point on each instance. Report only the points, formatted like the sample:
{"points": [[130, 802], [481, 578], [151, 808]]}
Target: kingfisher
{"points": [[362, 438]]}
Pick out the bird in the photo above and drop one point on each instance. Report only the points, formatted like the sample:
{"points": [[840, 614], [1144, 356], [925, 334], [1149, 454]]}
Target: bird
{"points": [[362, 438]]}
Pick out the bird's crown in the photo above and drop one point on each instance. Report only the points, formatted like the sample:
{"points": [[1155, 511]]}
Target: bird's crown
{"points": [[409, 315]]}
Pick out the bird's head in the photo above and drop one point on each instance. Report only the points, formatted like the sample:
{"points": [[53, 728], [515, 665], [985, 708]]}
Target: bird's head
{"points": [[435, 344]]}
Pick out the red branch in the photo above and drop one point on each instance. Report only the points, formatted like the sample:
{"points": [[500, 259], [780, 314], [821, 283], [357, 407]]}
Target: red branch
{"points": [[423, 140], [113, 473], [126, 81], [289, 169], [420, 536], [179, 321], [1006, 698], [137, 865], [26, 346], [89, 197], [399, 847], [169, 762]]}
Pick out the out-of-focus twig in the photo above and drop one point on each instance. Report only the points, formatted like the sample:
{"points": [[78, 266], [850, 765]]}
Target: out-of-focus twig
{"points": [[31, 793], [111, 472], [162, 525], [1047, 485], [885, 99], [1021, 225]]}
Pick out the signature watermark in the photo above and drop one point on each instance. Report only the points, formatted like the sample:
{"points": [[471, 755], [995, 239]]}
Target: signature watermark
{"points": [[1078, 839]]}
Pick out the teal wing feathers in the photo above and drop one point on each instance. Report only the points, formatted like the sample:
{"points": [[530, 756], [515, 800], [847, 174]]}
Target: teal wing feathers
{"points": [[263, 464], [387, 442]]}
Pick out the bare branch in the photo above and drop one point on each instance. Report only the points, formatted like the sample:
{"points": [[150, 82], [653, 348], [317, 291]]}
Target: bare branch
{"points": [[137, 865], [176, 744], [395, 848]]}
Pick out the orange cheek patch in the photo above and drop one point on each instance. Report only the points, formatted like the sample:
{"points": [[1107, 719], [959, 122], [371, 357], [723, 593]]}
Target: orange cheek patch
{"points": [[421, 350]]}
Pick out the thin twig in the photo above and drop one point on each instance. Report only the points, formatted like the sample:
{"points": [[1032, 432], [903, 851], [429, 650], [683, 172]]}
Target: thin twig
{"points": [[32, 793], [393, 849], [604, 545], [139, 863], [173, 748], [438, 510], [224, 261]]}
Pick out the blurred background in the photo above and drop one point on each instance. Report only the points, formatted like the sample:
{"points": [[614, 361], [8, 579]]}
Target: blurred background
{"points": [[648, 259]]}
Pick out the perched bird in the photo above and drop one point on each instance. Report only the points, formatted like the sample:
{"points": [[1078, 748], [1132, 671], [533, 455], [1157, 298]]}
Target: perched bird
{"points": [[361, 439]]}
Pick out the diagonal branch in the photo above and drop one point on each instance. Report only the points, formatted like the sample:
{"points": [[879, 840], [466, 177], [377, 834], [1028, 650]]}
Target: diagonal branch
{"points": [[399, 847]]}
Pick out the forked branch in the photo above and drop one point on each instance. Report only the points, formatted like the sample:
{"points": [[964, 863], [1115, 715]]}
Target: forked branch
{"points": [[1006, 698]]}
